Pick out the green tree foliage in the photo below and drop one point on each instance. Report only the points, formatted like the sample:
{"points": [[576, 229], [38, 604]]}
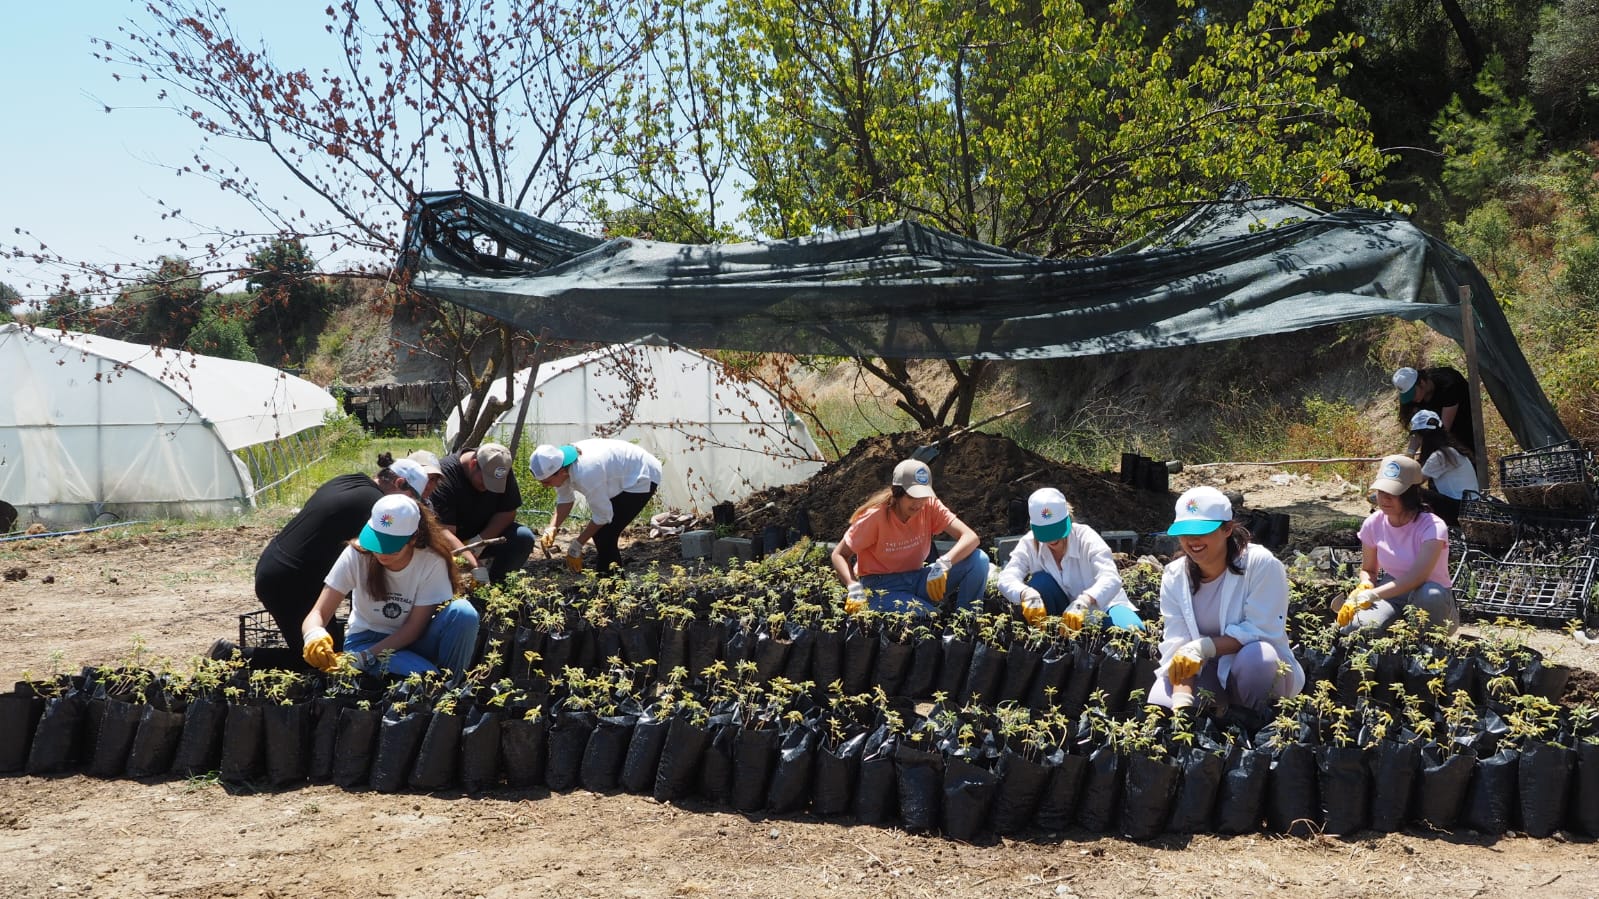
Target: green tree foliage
{"points": [[1485, 151], [221, 332], [1563, 73], [291, 304], [65, 310], [8, 297], [164, 307]]}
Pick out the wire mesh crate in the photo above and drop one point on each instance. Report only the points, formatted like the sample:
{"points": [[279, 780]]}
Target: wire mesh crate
{"points": [[1488, 523], [1549, 592], [258, 629], [1553, 477]]}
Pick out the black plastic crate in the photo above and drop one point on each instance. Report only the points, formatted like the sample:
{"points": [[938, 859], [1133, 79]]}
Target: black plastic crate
{"points": [[259, 629], [1553, 477], [1552, 592]]}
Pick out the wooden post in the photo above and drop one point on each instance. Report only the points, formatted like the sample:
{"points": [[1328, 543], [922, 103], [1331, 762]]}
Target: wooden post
{"points": [[527, 393], [1468, 342]]}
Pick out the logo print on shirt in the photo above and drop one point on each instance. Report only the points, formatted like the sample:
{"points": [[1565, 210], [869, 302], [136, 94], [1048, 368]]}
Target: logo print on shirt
{"points": [[392, 610]]}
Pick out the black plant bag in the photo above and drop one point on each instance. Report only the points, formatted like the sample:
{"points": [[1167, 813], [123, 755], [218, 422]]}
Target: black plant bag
{"points": [[1542, 778], [56, 738], [875, 798], [559, 652], [523, 749], [1241, 798], [1084, 674], [1394, 767], [156, 744], [480, 750], [968, 798], [705, 640], [859, 649], [955, 665], [919, 780], [827, 659], [200, 747], [287, 732], [1102, 786], [527, 640], [1461, 673], [754, 756], [644, 754], [739, 645], [984, 675], [1491, 797], [19, 714], [640, 640], [324, 730], [1540, 678], [567, 741], [922, 675], [1054, 667], [1057, 807], [771, 655], [836, 771], [1148, 792], [1021, 666], [438, 758], [1584, 805], [1115, 677], [801, 642], [680, 759], [1441, 785], [1193, 810], [1320, 665], [354, 742], [241, 744], [596, 646], [1022, 783], [399, 737], [716, 765], [119, 724], [606, 751], [790, 787], [673, 652], [1292, 806], [1344, 782], [891, 665]]}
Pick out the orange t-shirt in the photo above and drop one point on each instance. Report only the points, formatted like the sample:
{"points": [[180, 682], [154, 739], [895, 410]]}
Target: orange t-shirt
{"points": [[885, 545]]}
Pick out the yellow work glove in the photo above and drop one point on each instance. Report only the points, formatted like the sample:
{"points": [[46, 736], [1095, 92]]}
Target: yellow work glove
{"points": [[318, 652], [1358, 599], [574, 556], [547, 540], [855, 601], [1033, 610], [937, 578], [1190, 658], [1076, 614]]}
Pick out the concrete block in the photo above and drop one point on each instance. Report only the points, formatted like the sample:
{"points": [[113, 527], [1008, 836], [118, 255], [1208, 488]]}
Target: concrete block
{"points": [[1004, 548], [725, 548], [1166, 545], [696, 544], [1121, 541]]}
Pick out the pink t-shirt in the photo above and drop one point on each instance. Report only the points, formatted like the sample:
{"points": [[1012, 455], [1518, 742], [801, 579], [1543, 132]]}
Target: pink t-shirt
{"points": [[1398, 548], [885, 545]]}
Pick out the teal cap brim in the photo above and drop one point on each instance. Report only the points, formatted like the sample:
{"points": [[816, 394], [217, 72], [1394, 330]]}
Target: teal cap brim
{"points": [[568, 455], [1047, 533], [1192, 527], [1408, 395], [383, 544]]}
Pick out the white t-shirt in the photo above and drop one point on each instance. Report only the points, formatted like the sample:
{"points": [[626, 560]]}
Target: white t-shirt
{"points": [[607, 468], [1452, 474], [423, 582]]}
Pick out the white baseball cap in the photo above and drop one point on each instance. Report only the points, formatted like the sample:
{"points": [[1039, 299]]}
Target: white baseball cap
{"points": [[1405, 383], [1426, 420], [915, 477], [412, 473], [547, 460], [1049, 514], [393, 522], [1200, 510]]}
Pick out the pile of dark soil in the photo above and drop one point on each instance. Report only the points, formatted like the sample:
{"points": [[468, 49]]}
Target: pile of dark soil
{"points": [[976, 475]]}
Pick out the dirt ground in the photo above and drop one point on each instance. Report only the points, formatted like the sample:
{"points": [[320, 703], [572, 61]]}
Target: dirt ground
{"points": [[87, 597]]}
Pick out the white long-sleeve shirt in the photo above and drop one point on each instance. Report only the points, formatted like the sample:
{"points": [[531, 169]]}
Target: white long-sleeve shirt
{"points": [[605, 469], [1085, 569], [1254, 606]]}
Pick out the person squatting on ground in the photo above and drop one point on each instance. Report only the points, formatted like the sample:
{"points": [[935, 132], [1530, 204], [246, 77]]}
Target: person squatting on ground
{"points": [[1442, 390], [477, 497], [1404, 556], [1062, 568], [1445, 462], [290, 573], [616, 479], [404, 617], [1225, 605], [880, 559]]}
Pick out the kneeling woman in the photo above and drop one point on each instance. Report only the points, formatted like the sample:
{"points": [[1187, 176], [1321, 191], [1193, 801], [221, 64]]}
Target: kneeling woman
{"points": [[398, 576], [1064, 569], [1225, 605], [1404, 556]]}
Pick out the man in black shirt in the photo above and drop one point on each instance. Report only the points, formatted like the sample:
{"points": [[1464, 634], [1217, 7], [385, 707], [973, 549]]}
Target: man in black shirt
{"points": [[478, 497], [1444, 391]]}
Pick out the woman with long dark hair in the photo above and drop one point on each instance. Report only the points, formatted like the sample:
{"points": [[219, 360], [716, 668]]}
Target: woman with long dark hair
{"points": [[1445, 462], [1224, 601], [1404, 556]]}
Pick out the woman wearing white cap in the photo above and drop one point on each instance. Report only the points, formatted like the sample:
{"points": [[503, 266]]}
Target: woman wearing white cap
{"points": [[1442, 390], [879, 561], [1404, 555], [1225, 606], [1445, 462], [401, 587], [1064, 568], [616, 478]]}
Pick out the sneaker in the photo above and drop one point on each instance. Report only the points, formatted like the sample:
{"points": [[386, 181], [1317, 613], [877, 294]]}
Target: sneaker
{"points": [[221, 650]]}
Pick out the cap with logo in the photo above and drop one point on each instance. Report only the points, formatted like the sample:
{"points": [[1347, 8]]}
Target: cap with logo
{"points": [[915, 477], [1049, 514], [1396, 474], [547, 460], [394, 520], [1405, 383], [1426, 420], [494, 461], [1200, 510]]}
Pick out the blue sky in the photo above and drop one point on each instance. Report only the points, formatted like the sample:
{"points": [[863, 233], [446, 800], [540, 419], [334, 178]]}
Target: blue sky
{"points": [[84, 182]]}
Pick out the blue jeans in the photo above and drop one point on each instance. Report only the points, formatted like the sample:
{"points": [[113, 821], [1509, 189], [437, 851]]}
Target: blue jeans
{"points": [[447, 643], [1056, 601], [511, 555], [906, 591]]}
